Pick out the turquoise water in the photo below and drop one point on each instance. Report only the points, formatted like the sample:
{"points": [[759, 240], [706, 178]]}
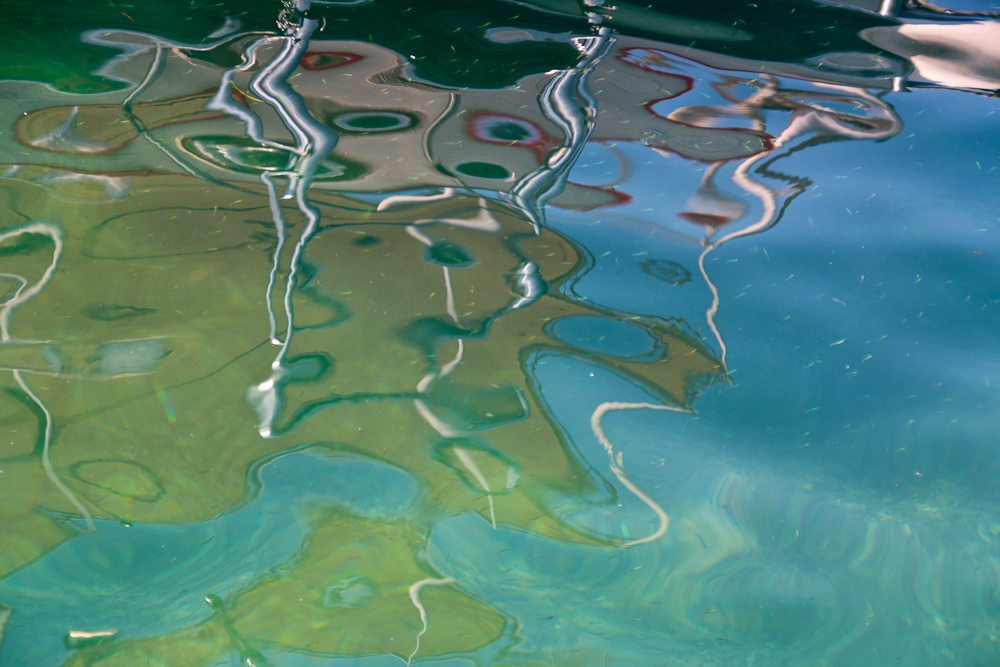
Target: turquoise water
{"points": [[533, 333]]}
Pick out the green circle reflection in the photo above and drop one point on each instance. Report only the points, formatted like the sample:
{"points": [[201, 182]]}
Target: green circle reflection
{"points": [[382, 121], [482, 170]]}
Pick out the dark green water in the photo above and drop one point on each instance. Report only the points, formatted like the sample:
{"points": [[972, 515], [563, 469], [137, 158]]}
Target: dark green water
{"points": [[499, 334]]}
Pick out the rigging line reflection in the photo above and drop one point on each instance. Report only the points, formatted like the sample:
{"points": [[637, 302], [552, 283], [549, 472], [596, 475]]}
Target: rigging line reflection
{"points": [[394, 200], [437, 423], [812, 113], [448, 431], [152, 74], [425, 143], [618, 467], [279, 225], [568, 103], [223, 100], [314, 142], [532, 286], [6, 310], [415, 599], [527, 278], [767, 219]]}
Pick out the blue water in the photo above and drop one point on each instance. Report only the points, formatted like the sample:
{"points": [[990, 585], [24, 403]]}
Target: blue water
{"points": [[148, 579], [515, 334]]}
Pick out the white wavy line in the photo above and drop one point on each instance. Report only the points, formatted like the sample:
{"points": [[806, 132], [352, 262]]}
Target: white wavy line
{"points": [[395, 200], [20, 296], [483, 222], [471, 466], [279, 226], [617, 466], [415, 599], [742, 178], [450, 294]]}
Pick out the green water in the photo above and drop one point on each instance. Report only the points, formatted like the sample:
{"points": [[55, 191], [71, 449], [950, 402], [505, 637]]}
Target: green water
{"points": [[498, 334]]}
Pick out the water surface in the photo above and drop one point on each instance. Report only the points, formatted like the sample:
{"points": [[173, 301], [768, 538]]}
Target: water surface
{"points": [[509, 334]]}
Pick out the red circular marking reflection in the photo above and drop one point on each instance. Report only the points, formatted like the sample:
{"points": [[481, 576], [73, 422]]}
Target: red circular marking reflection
{"points": [[317, 60]]}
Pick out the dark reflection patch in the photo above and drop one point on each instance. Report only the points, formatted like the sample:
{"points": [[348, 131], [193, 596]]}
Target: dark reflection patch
{"points": [[26, 244], [511, 132], [113, 312], [448, 254], [482, 170], [367, 240], [307, 367], [666, 270]]}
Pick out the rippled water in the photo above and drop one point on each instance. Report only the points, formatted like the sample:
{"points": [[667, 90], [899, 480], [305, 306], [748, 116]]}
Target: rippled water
{"points": [[505, 333]]}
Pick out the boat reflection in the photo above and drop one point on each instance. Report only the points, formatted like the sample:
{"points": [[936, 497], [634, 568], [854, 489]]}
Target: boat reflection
{"points": [[276, 246]]}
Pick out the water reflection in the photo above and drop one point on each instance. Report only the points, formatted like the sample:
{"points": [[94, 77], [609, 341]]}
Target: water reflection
{"points": [[147, 579], [328, 357]]}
